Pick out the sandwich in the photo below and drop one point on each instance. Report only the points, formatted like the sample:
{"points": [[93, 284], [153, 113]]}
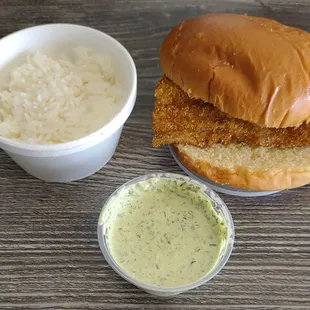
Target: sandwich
{"points": [[234, 101]]}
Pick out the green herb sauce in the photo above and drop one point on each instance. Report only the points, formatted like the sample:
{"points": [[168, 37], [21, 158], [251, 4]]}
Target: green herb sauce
{"points": [[164, 232]]}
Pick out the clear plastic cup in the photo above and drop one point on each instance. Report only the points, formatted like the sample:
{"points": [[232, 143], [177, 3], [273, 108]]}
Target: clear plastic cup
{"points": [[220, 208]]}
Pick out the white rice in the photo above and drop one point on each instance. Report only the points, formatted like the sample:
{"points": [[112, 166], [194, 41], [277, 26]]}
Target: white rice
{"points": [[58, 99]]}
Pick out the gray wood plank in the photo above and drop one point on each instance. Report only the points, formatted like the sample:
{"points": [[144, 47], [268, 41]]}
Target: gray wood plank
{"points": [[49, 256]]}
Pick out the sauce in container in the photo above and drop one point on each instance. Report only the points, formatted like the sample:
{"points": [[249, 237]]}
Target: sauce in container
{"points": [[163, 231]]}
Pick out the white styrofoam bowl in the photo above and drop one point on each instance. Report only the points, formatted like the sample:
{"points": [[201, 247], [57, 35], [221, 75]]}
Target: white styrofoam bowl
{"points": [[65, 162]]}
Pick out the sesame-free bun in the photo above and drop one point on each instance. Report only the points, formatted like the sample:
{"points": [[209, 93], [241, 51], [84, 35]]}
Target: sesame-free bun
{"points": [[251, 68], [241, 166]]}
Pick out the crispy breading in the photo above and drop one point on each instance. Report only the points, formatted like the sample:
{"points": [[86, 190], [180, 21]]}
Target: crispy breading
{"points": [[177, 118]]}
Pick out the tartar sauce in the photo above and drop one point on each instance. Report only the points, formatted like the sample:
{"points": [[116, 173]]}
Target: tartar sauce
{"points": [[164, 232]]}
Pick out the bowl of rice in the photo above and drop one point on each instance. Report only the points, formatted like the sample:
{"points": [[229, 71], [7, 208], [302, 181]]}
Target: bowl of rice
{"points": [[65, 93]]}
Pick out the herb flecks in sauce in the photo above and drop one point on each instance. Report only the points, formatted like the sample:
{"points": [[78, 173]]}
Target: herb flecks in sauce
{"points": [[164, 232]]}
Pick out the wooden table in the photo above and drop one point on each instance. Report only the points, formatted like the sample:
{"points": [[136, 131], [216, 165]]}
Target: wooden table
{"points": [[49, 255]]}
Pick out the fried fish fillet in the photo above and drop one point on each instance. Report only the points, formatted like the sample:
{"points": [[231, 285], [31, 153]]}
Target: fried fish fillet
{"points": [[177, 118]]}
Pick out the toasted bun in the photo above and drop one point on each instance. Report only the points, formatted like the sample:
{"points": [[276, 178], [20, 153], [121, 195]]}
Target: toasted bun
{"points": [[252, 68], [241, 166]]}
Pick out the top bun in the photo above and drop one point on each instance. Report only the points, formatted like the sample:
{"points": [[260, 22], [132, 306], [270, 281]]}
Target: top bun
{"points": [[252, 68]]}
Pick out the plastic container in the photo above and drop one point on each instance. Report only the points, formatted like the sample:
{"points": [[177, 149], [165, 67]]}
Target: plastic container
{"points": [[218, 187], [220, 208], [80, 158]]}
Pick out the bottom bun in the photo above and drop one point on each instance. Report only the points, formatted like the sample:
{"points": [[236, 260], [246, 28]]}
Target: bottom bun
{"points": [[249, 168]]}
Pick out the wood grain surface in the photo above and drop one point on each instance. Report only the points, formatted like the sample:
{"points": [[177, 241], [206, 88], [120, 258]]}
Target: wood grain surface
{"points": [[49, 255]]}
